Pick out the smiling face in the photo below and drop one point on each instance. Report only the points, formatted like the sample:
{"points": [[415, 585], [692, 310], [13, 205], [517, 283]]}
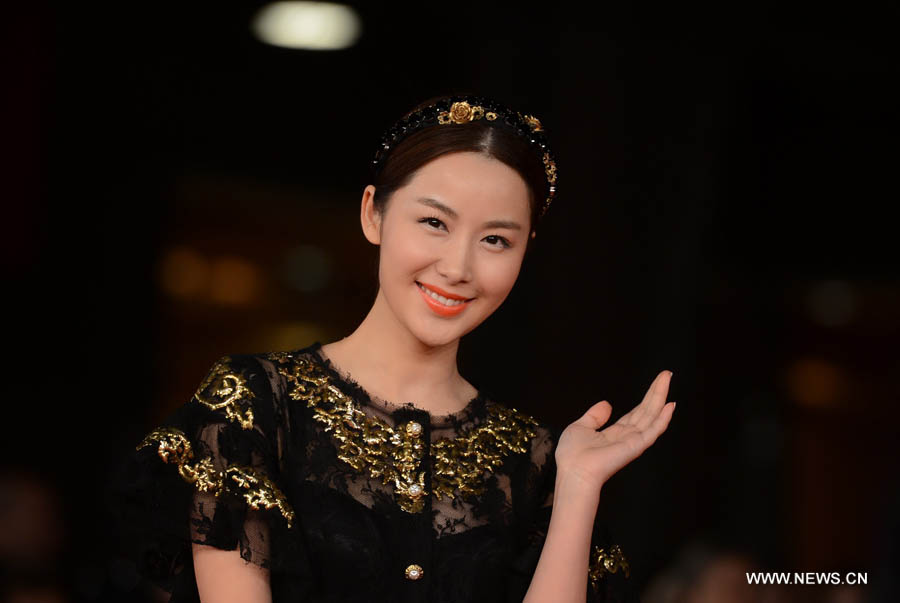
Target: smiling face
{"points": [[452, 243]]}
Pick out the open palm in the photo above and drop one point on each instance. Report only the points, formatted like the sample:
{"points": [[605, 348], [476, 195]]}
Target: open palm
{"points": [[594, 456]]}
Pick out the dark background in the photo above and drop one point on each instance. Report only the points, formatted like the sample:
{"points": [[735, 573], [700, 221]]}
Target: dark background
{"points": [[175, 190]]}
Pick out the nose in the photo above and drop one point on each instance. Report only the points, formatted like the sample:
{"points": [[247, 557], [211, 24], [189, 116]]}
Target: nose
{"points": [[455, 261]]}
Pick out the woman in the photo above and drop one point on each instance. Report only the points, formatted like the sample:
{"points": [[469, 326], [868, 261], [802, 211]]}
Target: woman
{"points": [[292, 476]]}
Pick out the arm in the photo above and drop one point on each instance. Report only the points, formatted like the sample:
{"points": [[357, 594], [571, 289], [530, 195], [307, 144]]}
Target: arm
{"points": [[207, 484], [585, 460], [562, 570], [224, 577]]}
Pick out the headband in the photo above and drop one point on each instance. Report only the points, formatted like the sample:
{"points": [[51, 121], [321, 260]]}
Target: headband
{"points": [[459, 110]]}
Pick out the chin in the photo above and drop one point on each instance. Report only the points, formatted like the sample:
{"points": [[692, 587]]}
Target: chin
{"points": [[434, 331], [440, 335], [433, 340]]}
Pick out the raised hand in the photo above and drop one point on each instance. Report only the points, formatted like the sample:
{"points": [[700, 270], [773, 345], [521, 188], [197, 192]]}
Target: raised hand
{"points": [[594, 456]]}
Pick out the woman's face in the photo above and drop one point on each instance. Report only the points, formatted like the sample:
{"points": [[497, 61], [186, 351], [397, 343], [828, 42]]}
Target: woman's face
{"points": [[458, 230]]}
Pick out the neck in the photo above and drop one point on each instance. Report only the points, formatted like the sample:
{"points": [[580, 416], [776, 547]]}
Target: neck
{"points": [[391, 363]]}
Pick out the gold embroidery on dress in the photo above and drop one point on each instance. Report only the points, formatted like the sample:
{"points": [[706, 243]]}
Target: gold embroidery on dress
{"points": [[459, 464], [606, 561], [174, 447], [394, 454], [259, 491], [226, 389]]}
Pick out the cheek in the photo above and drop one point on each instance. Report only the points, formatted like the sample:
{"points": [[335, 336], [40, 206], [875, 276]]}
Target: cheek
{"points": [[403, 252], [499, 277]]}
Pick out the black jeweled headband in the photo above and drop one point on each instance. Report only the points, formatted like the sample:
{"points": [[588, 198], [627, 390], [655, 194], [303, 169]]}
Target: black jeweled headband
{"points": [[459, 110]]}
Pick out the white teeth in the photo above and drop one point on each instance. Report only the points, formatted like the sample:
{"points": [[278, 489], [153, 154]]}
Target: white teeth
{"points": [[441, 298]]}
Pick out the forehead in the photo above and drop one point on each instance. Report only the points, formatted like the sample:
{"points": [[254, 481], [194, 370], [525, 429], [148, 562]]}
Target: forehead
{"points": [[470, 183]]}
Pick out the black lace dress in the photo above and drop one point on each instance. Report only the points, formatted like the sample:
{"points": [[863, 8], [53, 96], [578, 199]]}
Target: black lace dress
{"points": [[345, 497]]}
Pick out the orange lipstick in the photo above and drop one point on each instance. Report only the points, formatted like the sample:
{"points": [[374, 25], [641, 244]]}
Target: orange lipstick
{"points": [[439, 308]]}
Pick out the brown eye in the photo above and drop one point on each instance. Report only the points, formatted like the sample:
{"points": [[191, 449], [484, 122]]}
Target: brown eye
{"points": [[432, 221], [494, 239]]}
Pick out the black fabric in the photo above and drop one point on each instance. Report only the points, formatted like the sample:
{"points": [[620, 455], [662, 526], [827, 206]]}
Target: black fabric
{"points": [[349, 541]]}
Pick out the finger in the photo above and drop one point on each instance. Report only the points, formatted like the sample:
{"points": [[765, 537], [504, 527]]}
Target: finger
{"points": [[654, 400], [596, 416], [659, 424]]}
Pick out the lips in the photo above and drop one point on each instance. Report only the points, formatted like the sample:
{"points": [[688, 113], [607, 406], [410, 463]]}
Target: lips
{"points": [[443, 293], [442, 302]]}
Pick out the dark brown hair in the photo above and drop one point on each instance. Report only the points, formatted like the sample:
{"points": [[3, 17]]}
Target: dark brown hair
{"points": [[493, 140]]}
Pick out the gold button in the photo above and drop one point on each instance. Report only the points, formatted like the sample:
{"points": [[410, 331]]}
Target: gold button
{"points": [[413, 428], [413, 572]]}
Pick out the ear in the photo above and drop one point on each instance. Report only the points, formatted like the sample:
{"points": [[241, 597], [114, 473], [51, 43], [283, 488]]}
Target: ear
{"points": [[369, 217]]}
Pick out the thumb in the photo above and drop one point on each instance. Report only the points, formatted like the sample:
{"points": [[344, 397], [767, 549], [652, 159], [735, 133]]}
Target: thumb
{"points": [[596, 416]]}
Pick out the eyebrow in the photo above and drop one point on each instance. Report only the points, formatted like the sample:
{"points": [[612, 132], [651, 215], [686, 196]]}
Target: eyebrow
{"points": [[452, 213]]}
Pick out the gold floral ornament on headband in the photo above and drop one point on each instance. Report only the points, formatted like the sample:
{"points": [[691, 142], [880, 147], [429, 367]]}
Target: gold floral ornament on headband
{"points": [[533, 122], [464, 110]]}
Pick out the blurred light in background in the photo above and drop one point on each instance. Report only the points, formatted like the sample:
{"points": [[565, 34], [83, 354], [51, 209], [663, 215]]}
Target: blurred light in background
{"points": [[307, 268], [817, 383], [31, 531], [307, 25], [227, 280], [295, 335], [832, 303], [184, 273], [234, 281]]}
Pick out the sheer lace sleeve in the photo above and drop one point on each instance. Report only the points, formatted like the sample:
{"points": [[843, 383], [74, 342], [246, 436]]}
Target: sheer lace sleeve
{"points": [[210, 475], [608, 572]]}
